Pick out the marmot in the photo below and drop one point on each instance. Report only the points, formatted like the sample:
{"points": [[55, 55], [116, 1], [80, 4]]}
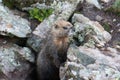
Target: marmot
{"points": [[54, 53]]}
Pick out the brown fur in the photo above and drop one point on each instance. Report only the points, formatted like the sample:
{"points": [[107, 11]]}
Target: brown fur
{"points": [[54, 52]]}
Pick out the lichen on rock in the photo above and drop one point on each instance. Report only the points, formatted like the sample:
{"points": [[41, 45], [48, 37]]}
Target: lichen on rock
{"points": [[13, 58], [91, 30], [12, 25]]}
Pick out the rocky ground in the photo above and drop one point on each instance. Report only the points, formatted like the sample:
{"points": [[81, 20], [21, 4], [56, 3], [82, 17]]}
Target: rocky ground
{"points": [[94, 53]]}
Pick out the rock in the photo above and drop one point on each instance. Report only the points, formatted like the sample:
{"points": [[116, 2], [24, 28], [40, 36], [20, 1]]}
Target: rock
{"points": [[91, 32], [15, 62], [107, 36], [103, 66], [118, 30], [105, 1], [118, 24], [95, 3], [26, 3], [99, 18], [114, 20], [39, 6], [117, 47], [87, 62], [111, 52], [75, 55], [12, 25], [63, 10]]}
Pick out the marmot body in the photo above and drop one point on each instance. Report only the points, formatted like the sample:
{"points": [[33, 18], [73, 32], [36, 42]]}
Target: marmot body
{"points": [[54, 52]]}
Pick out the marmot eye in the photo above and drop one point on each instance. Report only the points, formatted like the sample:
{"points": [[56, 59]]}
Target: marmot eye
{"points": [[56, 26], [65, 28]]}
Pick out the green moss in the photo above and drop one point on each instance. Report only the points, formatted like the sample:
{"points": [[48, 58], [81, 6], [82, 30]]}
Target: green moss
{"points": [[115, 7], [40, 14], [106, 27]]}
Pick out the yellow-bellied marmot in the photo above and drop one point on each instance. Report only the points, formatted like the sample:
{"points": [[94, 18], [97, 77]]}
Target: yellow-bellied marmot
{"points": [[54, 52]]}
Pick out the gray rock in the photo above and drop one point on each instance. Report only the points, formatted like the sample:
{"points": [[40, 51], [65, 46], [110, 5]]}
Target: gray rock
{"points": [[12, 25], [63, 10], [84, 59], [87, 62], [95, 3], [14, 62], [99, 18], [102, 67], [91, 32], [105, 1]]}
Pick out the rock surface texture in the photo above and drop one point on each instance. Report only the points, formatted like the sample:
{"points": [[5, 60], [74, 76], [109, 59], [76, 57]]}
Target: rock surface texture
{"points": [[12, 25], [12, 60], [88, 62], [94, 53]]}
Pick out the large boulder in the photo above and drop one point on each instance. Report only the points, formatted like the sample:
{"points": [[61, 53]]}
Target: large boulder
{"points": [[89, 32], [90, 64], [15, 62], [12, 25]]}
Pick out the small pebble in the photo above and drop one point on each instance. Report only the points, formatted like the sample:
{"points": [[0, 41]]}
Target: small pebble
{"points": [[4, 42], [105, 1], [111, 31], [114, 20], [117, 46], [99, 18], [118, 24], [103, 49]]}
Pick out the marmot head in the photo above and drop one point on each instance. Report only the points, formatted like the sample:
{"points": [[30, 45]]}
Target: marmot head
{"points": [[61, 29]]}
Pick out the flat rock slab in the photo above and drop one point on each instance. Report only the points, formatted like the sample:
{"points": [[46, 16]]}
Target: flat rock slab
{"points": [[63, 10], [14, 62], [12, 25]]}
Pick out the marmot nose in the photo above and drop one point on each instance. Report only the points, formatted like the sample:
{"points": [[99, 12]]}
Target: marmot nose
{"points": [[65, 28]]}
